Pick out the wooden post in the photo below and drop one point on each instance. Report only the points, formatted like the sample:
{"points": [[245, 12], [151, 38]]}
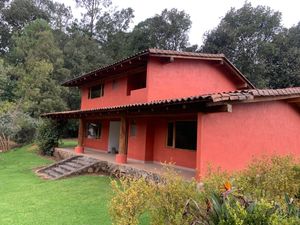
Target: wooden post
{"points": [[79, 148], [121, 157]]}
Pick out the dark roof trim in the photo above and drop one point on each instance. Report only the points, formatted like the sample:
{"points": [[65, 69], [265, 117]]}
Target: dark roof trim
{"points": [[159, 53], [239, 96]]}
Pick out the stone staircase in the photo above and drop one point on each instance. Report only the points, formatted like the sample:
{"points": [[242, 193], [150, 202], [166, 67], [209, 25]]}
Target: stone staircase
{"points": [[71, 166]]}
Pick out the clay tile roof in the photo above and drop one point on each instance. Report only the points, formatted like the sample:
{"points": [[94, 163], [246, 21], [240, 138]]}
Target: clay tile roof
{"points": [[160, 53], [230, 97]]}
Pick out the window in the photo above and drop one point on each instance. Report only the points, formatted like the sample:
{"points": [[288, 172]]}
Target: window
{"points": [[136, 81], [182, 134], [133, 128], [96, 91], [93, 130]]}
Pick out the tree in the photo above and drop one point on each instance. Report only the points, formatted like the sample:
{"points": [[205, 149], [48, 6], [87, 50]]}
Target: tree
{"points": [[94, 9], [21, 12], [39, 69], [61, 16], [111, 33], [283, 59], [242, 36], [112, 23], [169, 30]]}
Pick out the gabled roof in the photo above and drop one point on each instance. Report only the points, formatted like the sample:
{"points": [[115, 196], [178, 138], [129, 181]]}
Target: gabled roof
{"points": [[143, 56], [239, 96]]}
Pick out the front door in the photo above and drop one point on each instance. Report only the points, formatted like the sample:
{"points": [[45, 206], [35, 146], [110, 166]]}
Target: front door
{"points": [[113, 137]]}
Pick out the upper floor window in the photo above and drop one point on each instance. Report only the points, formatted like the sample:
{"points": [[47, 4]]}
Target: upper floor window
{"points": [[182, 134], [96, 91], [136, 81]]}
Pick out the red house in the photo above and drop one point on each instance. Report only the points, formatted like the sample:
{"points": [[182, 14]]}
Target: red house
{"points": [[191, 109]]}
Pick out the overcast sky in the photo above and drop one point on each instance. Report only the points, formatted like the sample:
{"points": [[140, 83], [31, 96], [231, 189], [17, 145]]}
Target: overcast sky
{"points": [[205, 15]]}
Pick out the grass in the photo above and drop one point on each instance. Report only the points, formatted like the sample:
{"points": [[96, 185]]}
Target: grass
{"points": [[68, 143], [26, 199]]}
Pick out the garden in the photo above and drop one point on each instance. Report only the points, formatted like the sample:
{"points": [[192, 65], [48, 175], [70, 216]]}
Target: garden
{"points": [[267, 192]]}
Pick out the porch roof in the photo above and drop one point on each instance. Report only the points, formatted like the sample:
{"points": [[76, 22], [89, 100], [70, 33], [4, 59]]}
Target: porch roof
{"points": [[196, 103]]}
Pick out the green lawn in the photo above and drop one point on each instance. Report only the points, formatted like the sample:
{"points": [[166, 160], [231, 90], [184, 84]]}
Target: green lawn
{"points": [[68, 143], [27, 199]]}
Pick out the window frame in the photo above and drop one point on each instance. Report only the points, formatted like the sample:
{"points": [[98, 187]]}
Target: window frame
{"points": [[101, 94], [174, 134], [98, 132]]}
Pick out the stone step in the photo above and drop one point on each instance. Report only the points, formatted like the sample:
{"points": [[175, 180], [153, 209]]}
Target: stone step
{"points": [[80, 162], [52, 173], [66, 167], [72, 164], [60, 170]]}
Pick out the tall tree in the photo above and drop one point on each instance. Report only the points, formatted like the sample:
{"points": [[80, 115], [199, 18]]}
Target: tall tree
{"points": [[242, 36], [38, 69], [169, 30], [283, 59], [93, 10]]}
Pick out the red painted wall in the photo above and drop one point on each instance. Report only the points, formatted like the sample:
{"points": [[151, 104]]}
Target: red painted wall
{"points": [[186, 78], [112, 96], [231, 140], [162, 153], [140, 146], [137, 144], [102, 142], [181, 78]]}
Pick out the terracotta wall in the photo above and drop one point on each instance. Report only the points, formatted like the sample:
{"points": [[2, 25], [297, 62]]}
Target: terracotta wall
{"points": [[187, 78], [232, 140], [101, 143], [113, 95]]}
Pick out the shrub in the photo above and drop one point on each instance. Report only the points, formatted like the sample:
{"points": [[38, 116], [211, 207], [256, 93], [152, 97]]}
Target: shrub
{"points": [[270, 178], [130, 201], [164, 202], [48, 135], [17, 126], [169, 202]]}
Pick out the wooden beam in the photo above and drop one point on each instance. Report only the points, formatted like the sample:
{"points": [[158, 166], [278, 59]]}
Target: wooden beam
{"points": [[123, 136], [218, 108], [294, 100], [80, 132]]}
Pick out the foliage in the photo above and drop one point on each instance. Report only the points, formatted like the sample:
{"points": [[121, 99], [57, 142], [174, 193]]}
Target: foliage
{"points": [[167, 31], [48, 135], [131, 199], [170, 199], [270, 178], [265, 193], [164, 202], [41, 61], [16, 125], [242, 36], [94, 9]]}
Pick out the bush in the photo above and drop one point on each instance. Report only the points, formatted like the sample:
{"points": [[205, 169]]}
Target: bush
{"points": [[164, 202], [170, 199], [270, 178], [266, 193], [48, 135], [130, 201]]}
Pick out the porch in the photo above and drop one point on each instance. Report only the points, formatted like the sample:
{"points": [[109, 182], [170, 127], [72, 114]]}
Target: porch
{"points": [[154, 168]]}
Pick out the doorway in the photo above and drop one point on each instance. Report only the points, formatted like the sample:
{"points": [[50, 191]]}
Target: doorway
{"points": [[113, 136]]}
